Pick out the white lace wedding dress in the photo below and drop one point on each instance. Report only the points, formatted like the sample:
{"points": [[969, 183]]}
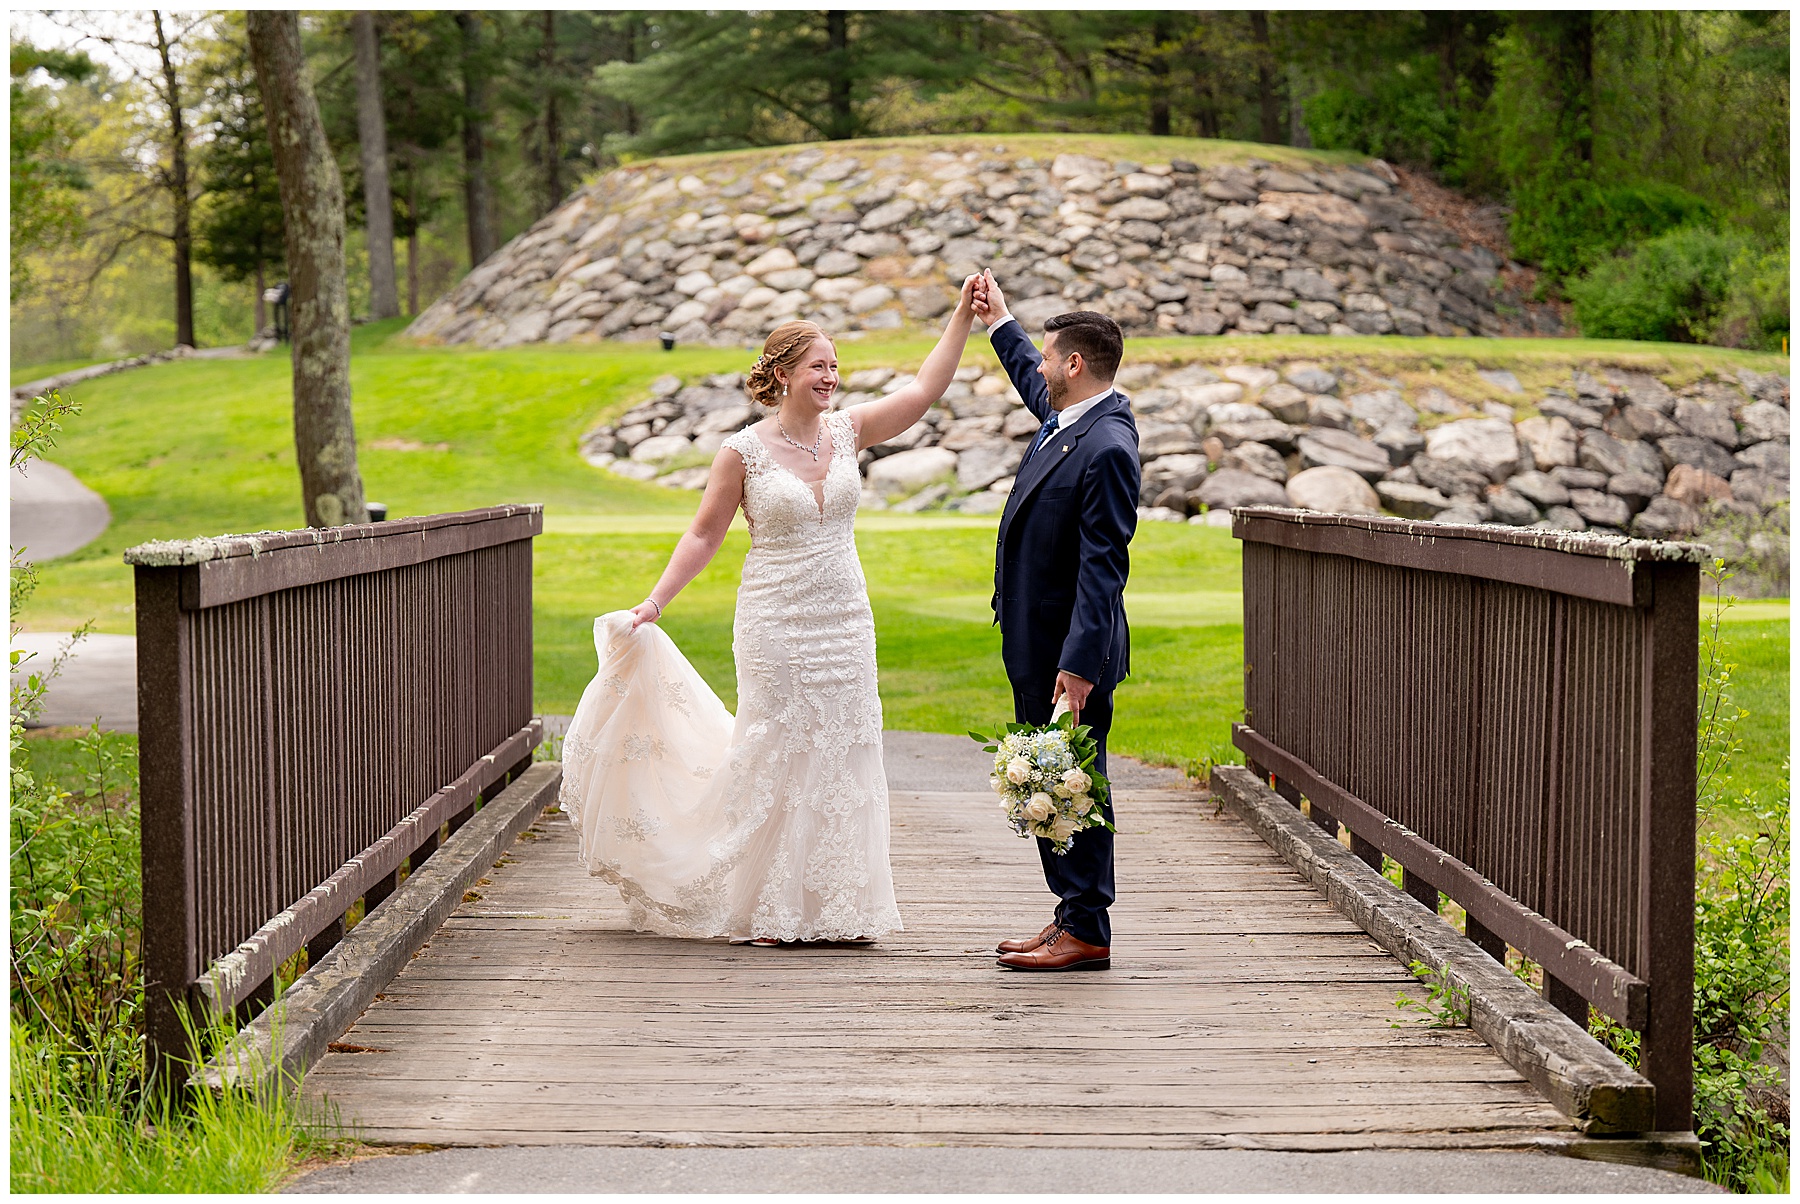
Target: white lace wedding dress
{"points": [[775, 823]]}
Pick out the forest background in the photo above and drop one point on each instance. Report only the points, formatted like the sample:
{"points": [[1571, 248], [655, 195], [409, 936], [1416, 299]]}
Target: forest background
{"points": [[1637, 160]]}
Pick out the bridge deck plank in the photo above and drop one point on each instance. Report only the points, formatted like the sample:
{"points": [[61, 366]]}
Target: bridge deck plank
{"points": [[1242, 1010]]}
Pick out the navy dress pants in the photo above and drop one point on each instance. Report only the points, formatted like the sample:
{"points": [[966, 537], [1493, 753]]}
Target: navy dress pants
{"points": [[1082, 878]]}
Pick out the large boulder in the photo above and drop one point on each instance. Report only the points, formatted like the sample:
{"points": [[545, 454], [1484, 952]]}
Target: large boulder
{"points": [[1706, 420], [907, 471], [1229, 487], [1333, 490], [987, 462], [1551, 441], [1696, 452], [1411, 500], [1486, 443], [1342, 449]]}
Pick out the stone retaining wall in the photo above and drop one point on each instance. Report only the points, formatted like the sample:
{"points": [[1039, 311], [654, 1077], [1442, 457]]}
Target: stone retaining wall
{"points": [[1596, 449], [722, 253]]}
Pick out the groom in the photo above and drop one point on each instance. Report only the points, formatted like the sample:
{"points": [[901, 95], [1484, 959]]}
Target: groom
{"points": [[1059, 583]]}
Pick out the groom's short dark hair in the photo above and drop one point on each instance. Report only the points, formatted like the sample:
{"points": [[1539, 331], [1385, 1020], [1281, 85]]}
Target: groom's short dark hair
{"points": [[1096, 336]]}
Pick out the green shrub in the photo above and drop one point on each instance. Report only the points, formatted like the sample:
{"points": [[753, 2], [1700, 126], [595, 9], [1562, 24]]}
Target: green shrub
{"points": [[1566, 224], [1756, 312], [1402, 118], [1671, 289]]}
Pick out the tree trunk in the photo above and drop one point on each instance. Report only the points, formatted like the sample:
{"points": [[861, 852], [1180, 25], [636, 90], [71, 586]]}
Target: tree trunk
{"points": [[312, 207], [553, 188], [179, 199], [262, 314], [378, 198], [1267, 100], [412, 241], [842, 121], [478, 196], [1160, 34]]}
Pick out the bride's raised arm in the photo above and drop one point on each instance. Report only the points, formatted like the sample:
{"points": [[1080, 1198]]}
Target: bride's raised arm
{"points": [[879, 421]]}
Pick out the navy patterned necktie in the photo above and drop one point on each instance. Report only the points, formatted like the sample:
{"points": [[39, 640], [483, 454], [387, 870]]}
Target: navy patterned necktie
{"points": [[1044, 433]]}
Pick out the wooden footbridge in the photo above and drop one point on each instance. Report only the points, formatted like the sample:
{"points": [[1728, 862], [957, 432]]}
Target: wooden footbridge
{"points": [[492, 993]]}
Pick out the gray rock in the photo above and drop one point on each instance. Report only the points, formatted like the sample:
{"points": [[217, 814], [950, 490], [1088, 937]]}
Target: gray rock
{"points": [[1228, 488], [926, 301], [1563, 518], [1257, 458], [1207, 322], [1332, 490], [1382, 407], [1165, 439], [1309, 285], [1578, 478], [1285, 402], [1311, 379], [1180, 471], [1558, 406], [1603, 453], [1758, 488], [659, 448], [1539, 488], [1451, 478], [1666, 518], [1699, 453], [1221, 412], [1650, 393], [924, 499], [1433, 400], [1487, 443], [1770, 458], [1410, 500], [1707, 421], [1341, 449], [1500, 378], [1401, 443], [985, 463], [1637, 488], [1639, 422], [833, 263], [1511, 508], [907, 471], [985, 502], [885, 217], [1328, 412], [1278, 435], [1602, 509], [1762, 421], [1463, 513]]}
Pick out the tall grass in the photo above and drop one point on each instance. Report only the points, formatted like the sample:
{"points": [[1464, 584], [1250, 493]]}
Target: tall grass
{"points": [[86, 1113]]}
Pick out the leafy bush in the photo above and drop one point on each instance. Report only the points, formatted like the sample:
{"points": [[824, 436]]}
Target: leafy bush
{"points": [[1671, 289], [1567, 223]]}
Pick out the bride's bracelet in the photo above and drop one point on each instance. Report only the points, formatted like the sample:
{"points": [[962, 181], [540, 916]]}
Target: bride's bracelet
{"points": [[658, 605]]}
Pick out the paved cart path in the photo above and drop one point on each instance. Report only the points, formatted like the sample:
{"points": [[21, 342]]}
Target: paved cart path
{"points": [[1242, 1011]]}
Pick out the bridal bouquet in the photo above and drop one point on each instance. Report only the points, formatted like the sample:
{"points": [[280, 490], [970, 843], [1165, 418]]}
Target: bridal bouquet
{"points": [[1046, 779]]}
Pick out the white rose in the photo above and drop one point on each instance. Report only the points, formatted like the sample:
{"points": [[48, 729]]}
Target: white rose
{"points": [[1084, 803], [1061, 791], [1062, 829], [995, 784], [1040, 808], [1019, 771], [1077, 782]]}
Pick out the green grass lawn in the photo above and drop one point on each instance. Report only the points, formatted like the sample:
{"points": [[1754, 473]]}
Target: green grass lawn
{"points": [[205, 447]]}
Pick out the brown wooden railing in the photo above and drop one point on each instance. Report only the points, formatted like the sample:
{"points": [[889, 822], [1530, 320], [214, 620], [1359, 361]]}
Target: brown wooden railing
{"points": [[1510, 715], [314, 708]]}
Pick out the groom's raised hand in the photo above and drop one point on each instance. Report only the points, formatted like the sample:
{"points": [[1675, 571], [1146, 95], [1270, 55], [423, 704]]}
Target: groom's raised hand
{"points": [[990, 302]]}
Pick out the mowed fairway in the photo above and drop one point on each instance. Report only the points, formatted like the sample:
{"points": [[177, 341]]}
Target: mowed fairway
{"points": [[205, 447]]}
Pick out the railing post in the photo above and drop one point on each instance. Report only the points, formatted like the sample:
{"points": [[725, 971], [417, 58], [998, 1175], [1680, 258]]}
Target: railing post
{"points": [[166, 815], [1673, 667], [1488, 942], [1423, 891]]}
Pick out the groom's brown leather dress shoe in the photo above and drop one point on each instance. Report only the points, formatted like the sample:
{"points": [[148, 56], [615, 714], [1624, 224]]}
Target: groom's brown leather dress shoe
{"points": [[1060, 951], [1029, 943]]}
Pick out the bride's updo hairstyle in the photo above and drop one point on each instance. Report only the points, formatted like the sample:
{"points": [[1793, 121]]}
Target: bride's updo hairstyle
{"points": [[786, 346]]}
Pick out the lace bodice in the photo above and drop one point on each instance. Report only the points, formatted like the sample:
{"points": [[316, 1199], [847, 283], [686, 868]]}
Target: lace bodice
{"points": [[783, 511]]}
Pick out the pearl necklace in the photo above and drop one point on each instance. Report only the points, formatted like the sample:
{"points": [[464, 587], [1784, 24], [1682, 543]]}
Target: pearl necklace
{"points": [[812, 451]]}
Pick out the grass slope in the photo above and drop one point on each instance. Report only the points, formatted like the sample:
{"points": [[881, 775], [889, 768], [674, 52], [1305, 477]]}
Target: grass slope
{"points": [[204, 447]]}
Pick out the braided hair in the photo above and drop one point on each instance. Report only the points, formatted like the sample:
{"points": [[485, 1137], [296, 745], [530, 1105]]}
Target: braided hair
{"points": [[783, 350]]}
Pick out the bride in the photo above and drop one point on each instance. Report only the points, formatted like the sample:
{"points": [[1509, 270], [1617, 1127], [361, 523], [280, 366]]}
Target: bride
{"points": [[771, 826]]}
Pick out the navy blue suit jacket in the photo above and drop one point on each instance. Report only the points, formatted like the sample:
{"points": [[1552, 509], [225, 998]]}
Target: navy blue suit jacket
{"points": [[1063, 551]]}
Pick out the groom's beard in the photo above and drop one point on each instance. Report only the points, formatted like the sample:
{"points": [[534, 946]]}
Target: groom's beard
{"points": [[1058, 386]]}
